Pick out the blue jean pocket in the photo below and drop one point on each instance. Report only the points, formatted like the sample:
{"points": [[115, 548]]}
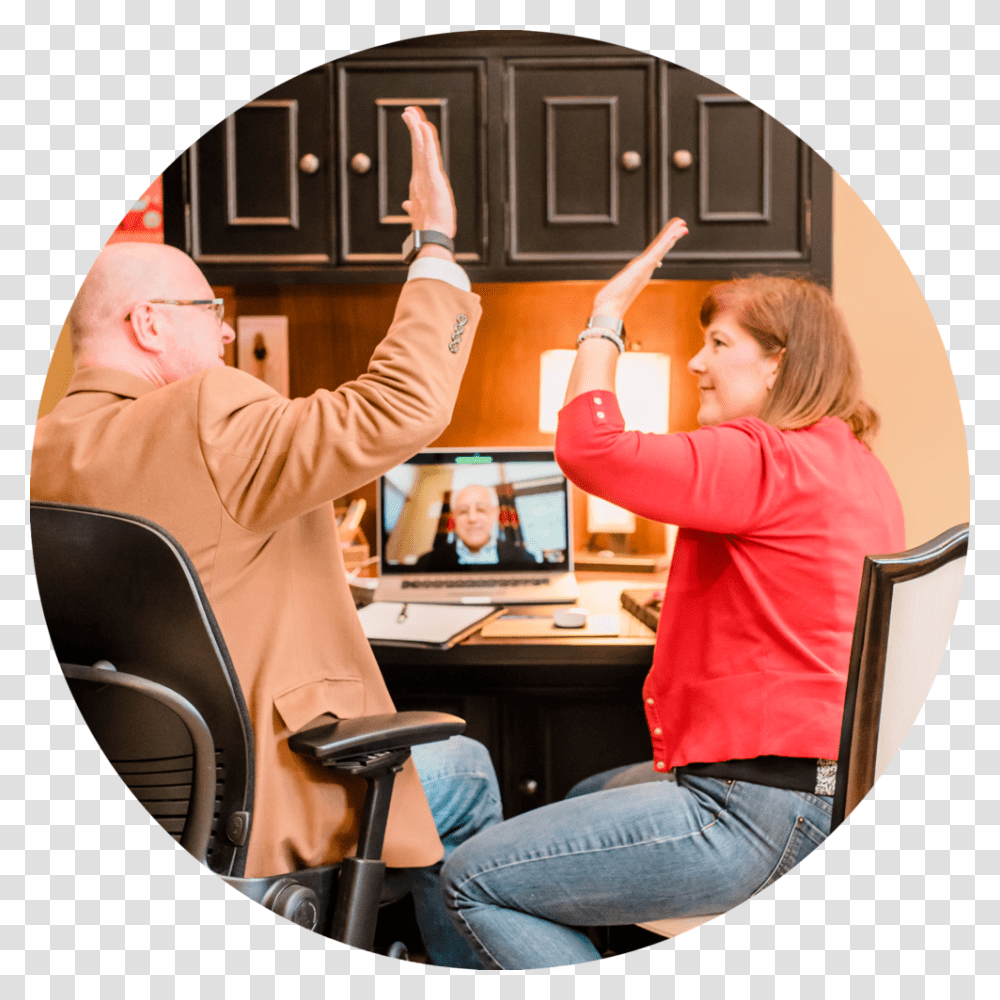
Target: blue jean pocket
{"points": [[803, 839]]}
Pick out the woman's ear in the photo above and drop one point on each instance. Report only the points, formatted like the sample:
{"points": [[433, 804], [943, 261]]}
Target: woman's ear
{"points": [[145, 322], [775, 363]]}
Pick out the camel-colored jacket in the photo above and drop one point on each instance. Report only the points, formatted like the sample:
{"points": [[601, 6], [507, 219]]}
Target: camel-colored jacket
{"points": [[245, 480]]}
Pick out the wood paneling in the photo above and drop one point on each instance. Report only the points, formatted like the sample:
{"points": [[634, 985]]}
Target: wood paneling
{"points": [[333, 330]]}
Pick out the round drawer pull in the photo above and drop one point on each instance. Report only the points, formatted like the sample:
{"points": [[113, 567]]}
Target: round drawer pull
{"points": [[309, 163], [682, 159], [361, 163], [631, 160], [529, 786]]}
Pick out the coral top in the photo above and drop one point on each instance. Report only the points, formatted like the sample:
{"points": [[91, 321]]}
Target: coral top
{"points": [[755, 633]]}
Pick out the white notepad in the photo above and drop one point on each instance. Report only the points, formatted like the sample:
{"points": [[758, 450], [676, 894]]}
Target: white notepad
{"points": [[423, 624]]}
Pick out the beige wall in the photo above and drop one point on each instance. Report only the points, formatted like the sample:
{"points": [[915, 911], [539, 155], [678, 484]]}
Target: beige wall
{"points": [[907, 375]]}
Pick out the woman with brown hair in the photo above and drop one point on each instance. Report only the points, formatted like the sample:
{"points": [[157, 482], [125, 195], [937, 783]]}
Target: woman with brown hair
{"points": [[778, 499]]}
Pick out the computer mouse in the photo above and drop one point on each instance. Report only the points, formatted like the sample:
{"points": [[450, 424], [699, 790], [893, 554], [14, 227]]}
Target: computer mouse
{"points": [[570, 617]]}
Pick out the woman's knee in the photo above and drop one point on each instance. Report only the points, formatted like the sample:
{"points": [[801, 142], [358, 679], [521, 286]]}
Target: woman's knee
{"points": [[453, 878]]}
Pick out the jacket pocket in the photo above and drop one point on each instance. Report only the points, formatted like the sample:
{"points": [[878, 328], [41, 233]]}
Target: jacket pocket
{"points": [[343, 697], [804, 838]]}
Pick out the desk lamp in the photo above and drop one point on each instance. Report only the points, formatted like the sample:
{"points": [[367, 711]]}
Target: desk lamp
{"points": [[642, 385]]}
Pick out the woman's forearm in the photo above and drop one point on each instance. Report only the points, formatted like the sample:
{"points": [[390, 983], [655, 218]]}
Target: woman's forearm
{"points": [[594, 368]]}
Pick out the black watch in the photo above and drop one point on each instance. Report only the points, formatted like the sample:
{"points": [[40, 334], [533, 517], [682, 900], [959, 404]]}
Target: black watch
{"points": [[421, 237]]}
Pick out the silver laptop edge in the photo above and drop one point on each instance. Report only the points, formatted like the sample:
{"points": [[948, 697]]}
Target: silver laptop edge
{"points": [[456, 588]]}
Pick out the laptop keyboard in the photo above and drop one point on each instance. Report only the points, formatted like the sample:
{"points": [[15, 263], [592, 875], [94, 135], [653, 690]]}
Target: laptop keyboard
{"points": [[476, 582]]}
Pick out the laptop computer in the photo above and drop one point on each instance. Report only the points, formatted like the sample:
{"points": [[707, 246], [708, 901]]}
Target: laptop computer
{"points": [[486, 526]]}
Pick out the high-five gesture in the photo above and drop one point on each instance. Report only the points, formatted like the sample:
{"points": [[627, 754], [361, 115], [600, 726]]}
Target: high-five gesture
{"points": [[623, 289], [597, 358], [431, 204]]}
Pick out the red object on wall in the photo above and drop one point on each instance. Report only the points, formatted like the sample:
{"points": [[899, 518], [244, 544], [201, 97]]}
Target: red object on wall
{"points": [[144, 222]]}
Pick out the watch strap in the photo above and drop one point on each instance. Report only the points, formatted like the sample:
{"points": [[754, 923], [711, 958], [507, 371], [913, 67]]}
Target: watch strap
{"points": [[420, 238], [616, 326], [604, 334]]}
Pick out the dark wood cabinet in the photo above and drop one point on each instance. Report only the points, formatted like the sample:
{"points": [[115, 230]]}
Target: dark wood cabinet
{"points": [[746, 186], [581, 155], [565, 156], [373, 150], [259, 184], [541, 742]]}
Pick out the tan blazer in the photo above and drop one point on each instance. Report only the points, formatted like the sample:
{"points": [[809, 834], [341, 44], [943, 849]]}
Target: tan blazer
{"points": [[245, 480]]}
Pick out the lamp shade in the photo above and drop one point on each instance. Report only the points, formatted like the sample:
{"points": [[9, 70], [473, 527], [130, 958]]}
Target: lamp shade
{"points": [[642, 386]]}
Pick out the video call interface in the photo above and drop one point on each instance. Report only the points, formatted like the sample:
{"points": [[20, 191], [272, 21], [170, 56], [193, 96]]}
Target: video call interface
{"points": [[451, 512]]}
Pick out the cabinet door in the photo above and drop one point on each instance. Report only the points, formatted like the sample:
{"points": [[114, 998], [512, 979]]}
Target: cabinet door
{"points": [[260, 180], [581, 156], [374, 151], [551, 742], [741, 181]]}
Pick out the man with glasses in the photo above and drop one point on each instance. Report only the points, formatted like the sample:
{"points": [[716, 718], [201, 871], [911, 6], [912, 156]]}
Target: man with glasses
{"points": [[155, 424]]}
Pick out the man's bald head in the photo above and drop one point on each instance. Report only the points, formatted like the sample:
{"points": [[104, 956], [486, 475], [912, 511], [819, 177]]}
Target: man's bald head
{"points": [[126, 273], [153, 342]]}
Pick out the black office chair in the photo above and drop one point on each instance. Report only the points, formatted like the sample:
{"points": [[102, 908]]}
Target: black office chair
{"points": [[906, 607], [151, 675]]}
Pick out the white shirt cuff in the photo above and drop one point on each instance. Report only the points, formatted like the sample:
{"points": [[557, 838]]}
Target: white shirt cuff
{"points": [[440, 270]]}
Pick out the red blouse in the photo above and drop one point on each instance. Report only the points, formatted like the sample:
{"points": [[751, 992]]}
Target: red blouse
{"points": [[755, 633]]}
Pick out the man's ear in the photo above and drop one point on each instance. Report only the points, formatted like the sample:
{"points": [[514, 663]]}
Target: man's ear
{"points": [[146, 324]]}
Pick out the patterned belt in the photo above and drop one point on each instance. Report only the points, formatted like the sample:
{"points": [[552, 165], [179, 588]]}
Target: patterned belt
{"points": [[817, 775]]}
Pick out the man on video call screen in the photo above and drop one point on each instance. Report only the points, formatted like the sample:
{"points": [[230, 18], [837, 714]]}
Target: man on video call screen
{"points": [[439, 517]]}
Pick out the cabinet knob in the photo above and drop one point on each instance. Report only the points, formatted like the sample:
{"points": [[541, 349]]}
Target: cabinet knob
{"points": [[631, 160], [528, 786], [682, 159], [309, 163], [361, 163]]}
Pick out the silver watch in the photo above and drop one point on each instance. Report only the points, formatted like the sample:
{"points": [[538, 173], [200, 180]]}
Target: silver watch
{"points": [[616, 326], [421, 237]]}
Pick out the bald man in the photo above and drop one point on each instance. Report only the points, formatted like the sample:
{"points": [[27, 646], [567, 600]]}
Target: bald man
{"points": [[155, 424], [475, 511]]}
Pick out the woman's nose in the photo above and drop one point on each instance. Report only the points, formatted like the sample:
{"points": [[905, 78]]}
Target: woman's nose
{"points": [[697, 364]]}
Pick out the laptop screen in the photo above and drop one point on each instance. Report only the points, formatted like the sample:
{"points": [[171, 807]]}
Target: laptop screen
{"points": [[475, 511]]}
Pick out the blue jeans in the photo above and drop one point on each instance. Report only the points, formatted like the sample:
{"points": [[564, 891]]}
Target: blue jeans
{"points": [[640, 850], [462, 791]]}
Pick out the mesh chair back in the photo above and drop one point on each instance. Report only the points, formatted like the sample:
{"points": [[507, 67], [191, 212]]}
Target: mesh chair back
{"points": [[906, 608], [119, 588]]}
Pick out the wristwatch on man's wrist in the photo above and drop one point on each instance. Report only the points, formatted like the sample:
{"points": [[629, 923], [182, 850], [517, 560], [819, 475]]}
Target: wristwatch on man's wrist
{"points": [[420, 238]]}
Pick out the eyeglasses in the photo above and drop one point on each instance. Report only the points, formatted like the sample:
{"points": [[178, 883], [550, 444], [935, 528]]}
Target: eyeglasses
{"points": [[218, 306]]}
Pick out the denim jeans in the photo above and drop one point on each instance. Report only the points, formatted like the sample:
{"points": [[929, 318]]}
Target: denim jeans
{"points": [[462, 791], [627, 854]]}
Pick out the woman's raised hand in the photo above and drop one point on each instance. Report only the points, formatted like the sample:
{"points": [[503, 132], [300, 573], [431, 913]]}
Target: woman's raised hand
{"points": [[622, 290], [431, 204]]}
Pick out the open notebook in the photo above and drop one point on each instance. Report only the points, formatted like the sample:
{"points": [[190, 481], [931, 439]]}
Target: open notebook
{"points": [[490, 526]]}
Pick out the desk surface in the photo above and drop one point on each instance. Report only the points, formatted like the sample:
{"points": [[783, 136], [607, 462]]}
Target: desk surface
{"points": [[539, 661]]}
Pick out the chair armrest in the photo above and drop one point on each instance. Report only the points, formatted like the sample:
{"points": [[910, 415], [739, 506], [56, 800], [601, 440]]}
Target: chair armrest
{"points": [[374, 734]]}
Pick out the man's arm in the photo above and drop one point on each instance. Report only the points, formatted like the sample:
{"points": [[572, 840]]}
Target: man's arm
{"points": [[273, 458]]}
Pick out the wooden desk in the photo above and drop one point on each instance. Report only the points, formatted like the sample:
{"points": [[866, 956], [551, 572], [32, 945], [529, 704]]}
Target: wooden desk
{"points": [[551, 711]]}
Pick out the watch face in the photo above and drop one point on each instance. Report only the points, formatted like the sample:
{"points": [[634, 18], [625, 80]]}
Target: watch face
{"points": [[409, 244]]}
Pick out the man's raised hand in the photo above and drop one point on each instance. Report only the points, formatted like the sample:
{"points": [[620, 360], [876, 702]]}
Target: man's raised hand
{"points": [[431, 204]]}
